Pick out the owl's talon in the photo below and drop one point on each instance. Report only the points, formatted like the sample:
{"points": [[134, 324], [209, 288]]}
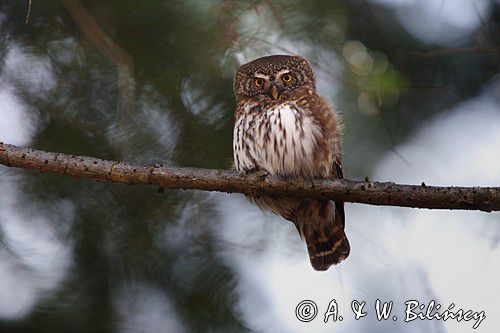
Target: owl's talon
{"points": [[261, 174]]}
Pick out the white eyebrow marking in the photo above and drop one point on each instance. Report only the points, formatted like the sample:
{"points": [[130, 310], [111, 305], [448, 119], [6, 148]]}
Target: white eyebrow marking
{"points": [[262, 76], [283, 71]]}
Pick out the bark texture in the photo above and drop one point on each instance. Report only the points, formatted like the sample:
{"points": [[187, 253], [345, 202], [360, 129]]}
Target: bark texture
{"points": [[374, 193]]}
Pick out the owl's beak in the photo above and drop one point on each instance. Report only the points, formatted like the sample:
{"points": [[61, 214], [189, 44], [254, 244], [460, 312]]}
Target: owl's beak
{"points": [[275, 91]]}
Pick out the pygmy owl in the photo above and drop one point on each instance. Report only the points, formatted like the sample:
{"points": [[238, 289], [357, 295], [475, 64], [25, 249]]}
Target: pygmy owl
{"points": [[283, 127]]}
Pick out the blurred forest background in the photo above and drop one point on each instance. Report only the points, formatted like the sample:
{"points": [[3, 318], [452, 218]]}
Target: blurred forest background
{"points": [[416, 83]]}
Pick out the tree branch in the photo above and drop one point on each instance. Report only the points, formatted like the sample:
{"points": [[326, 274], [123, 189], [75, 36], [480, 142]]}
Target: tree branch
{"points": [[462, 50], [374, 193]]}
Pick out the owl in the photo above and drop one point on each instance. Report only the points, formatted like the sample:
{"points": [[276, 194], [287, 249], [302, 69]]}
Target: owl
{"points": [[284, 128]]}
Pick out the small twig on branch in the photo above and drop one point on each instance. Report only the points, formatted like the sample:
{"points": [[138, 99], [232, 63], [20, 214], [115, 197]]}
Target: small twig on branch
{"points": [[374, 193], [122, 60], [28, 13]]}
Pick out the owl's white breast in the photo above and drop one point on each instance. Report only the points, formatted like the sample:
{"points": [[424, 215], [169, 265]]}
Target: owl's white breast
{"points": [[280, 140]]}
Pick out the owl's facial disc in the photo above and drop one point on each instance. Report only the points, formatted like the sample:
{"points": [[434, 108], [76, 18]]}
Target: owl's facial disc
{"points": [[275, 77], [269, 85]]}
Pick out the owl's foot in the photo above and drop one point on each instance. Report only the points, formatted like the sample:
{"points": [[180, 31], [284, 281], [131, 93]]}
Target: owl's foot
{"points": [[257, 174]]}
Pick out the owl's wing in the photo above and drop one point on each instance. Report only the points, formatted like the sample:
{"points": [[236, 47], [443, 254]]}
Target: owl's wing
{"points": [[337, 172]]}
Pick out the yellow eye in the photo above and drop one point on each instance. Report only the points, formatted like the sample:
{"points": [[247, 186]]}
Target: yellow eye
{"points": [[287, 78], [259, 82]]}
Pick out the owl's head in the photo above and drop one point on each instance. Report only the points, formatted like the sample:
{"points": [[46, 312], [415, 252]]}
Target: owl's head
{"points": [[274, 77]]}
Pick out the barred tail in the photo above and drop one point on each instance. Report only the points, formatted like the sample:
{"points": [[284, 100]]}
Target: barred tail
{"points": [[321, 224]]}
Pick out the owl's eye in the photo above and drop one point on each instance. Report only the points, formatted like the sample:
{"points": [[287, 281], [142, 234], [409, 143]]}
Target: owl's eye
{"points": [[287, 78], [259, 82]]}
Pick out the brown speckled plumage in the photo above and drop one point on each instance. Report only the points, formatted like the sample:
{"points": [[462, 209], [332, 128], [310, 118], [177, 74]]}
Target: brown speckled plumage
{"points": [[285, 128]]}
